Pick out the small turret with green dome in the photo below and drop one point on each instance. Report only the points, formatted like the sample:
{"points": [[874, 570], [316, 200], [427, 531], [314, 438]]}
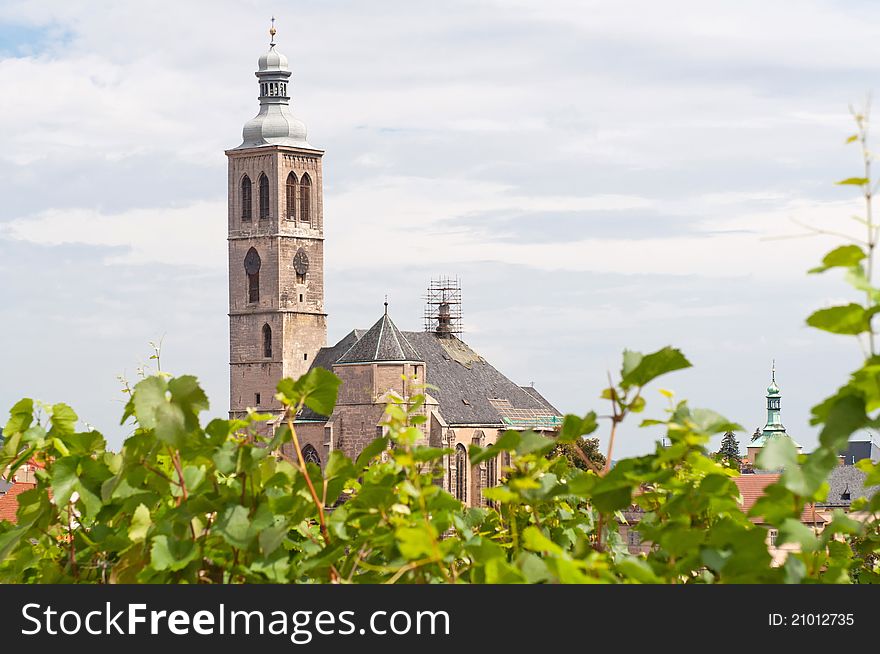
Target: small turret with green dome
{"points": [[774, 427]]}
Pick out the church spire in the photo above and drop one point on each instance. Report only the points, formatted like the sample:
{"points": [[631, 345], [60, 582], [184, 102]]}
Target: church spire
{"points": [[774, 401], [274, 124]]}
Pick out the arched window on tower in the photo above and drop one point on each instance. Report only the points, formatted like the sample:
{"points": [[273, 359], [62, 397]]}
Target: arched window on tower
{"points": [[246, 203], [291, 196], [267, 341], [252, 268], [264, 197], [461, 472], [305, 198], [310, 454]]}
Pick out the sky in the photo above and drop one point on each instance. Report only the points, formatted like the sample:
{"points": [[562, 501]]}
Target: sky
{"points": [[600, 175]]}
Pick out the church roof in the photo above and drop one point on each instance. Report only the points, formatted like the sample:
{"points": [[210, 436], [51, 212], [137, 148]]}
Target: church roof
{"points": [[469, 390], [382, 342], [767, 434]]}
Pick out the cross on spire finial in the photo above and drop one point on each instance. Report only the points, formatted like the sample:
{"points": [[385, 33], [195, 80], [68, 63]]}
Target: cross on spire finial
{"points": [[386, 304], [272, 32], [773, 372]]}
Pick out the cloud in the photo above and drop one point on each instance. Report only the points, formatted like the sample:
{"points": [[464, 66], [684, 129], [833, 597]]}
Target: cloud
{"points": [[185, 236]]}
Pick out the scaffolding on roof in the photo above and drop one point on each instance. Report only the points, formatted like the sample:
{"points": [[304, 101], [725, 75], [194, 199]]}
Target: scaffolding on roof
{"points": [[443, 306]]}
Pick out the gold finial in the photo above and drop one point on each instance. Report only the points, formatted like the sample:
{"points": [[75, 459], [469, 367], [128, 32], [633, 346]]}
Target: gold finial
{"points": [[272, 32]]}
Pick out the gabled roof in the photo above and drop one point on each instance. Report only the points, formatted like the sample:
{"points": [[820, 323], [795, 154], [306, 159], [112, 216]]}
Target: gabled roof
{"points": [[382, 342], [469, 390], [847, 479], [752, 486]]}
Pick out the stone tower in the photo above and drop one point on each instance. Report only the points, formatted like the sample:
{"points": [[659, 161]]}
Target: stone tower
{"points": [[277, 322]]}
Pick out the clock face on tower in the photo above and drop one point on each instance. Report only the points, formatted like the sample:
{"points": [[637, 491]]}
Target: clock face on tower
{"points": [[301, 262]]}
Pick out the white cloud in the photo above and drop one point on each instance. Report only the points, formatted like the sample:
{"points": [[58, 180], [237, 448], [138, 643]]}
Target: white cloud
{"points": [[191, 236]]}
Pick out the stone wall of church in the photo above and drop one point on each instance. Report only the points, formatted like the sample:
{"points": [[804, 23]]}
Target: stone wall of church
{"points": [[248, 379], [478, 477]]}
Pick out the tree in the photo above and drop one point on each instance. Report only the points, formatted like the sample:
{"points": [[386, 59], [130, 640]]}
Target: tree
{"points": [[590, 448], [729, 452]]}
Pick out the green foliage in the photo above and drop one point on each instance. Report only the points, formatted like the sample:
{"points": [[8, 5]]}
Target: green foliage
{"points": [[729, 452]]}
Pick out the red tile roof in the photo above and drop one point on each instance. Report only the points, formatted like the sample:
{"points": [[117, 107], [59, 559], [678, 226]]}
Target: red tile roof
{"points": [[9, 501], [752, 486]]}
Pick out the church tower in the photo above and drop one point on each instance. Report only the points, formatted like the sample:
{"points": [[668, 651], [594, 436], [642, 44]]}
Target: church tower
{"points": [[277, 322], [773, 428]]}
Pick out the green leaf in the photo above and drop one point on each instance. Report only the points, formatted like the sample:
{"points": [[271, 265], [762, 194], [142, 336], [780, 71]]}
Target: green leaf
{"points": [[270, 539], [639, 371], [140, 524], [317, 389], [415, 542], [147, 396], [573, 427], [710, 422], [794, 531], [21, 415], [193, 477], [849, 319], [777, 454], [532, 443], [64, 479], [186, 392], [170, 424], [843, 415], [233, 526], [63, 421], [372, 450], [638, 570], [853, 181], [172, 554], [845, 256], [535, 540]]}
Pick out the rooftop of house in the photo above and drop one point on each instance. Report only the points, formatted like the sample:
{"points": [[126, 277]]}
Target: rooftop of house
{"points": [[847, 483], [751, 487], [469, 390]]}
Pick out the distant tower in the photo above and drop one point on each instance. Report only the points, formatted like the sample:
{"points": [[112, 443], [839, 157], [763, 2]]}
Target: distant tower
{"points": [[443, 306], [773, 428], [276, 246]]}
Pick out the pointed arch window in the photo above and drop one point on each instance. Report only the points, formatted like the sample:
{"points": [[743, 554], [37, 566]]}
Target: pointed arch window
{"points": [[491, 472], [246, 201], [264, 197], [310, 454], [461, 473], [305, 198], [267, 341], [252, 264], [290, 189]]}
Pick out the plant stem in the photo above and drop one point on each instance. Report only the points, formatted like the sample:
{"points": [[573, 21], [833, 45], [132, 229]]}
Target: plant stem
{"points": [[302, 463]]}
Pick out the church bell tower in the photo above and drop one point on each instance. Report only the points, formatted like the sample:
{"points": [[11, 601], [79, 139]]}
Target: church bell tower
{"points": [[277, 322]]}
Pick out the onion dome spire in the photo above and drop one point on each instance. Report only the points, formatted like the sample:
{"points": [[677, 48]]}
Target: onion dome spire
{"points": [[274, 124]]}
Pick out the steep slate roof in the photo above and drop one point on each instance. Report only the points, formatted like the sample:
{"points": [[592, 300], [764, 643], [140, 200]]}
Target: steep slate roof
{"points": [[470, 391], [751, 487], [382, 342], [847, 478]]}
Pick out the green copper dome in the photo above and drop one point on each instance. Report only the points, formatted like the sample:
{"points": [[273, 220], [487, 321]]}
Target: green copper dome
{"points": [[773, 389]]}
